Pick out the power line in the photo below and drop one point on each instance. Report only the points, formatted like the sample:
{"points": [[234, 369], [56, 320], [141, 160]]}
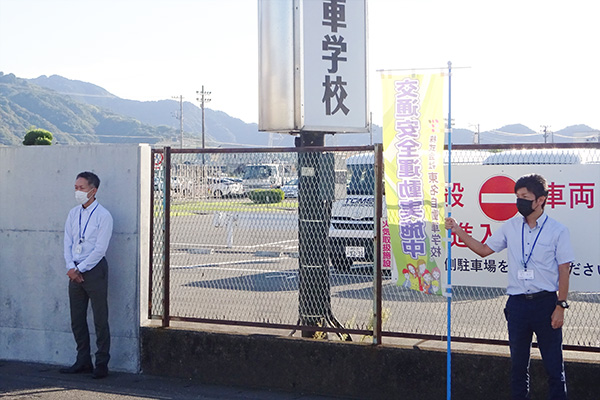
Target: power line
{"points": [[514, 134], [111, 96], [418, 69], [579, 137], [113, 136]]}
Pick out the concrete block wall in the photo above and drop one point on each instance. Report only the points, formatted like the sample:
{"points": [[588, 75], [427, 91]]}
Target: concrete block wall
{"points": [[347, 370], [36, 194]]}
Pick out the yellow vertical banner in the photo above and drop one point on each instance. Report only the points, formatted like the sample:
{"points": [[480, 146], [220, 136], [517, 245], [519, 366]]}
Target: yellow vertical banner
{"points": [[413, 146]]}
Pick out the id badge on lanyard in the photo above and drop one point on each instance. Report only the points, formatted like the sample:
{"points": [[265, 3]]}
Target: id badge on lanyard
{"points": [[79, 247], [524, 273]]}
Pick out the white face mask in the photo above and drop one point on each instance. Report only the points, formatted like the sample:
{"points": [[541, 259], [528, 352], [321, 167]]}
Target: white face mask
{"points": [[81, 197]]}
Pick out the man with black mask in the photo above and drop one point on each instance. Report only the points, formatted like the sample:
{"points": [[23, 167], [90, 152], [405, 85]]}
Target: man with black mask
{"points": [[539, 258]]}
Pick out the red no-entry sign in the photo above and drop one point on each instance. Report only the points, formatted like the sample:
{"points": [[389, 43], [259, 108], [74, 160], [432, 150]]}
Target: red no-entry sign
{"points": [[497, 198], [158, 159]]}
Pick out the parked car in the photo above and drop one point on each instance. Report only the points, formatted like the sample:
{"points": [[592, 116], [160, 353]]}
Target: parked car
{"points": [[225, 187], [290, 189], [158, 183], [179, 184]]}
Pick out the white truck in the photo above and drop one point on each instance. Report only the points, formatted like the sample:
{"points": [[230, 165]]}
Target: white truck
{"points": [[352, 216], [263, 176]]}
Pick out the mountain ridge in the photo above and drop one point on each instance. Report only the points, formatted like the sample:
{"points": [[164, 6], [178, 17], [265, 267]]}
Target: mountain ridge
{"points": [[218, 125], [82, 112], [24, 104]]}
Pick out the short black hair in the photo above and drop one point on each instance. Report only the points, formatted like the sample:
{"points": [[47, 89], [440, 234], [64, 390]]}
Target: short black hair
{"points": [[91, 177], [534, 183]]}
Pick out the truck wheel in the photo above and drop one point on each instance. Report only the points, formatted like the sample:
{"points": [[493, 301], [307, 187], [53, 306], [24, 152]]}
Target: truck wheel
{"points": [[218, 194]]}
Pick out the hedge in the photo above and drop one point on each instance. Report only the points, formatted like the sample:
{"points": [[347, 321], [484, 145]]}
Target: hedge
{"points": [[266, 196]]}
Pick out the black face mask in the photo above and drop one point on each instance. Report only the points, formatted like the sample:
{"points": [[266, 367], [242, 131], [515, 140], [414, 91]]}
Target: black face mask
{"points": [[525, 206]]}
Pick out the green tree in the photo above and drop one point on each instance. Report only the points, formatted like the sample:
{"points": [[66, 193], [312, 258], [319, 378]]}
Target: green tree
{"points": [[37, 137]]}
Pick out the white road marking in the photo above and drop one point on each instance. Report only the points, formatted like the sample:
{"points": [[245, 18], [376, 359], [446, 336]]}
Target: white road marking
{"points": [[234, 247], [215, 265]]}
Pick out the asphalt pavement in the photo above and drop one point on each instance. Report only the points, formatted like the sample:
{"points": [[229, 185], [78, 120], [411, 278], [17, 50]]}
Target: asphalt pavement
{"points": [[20, 380]]}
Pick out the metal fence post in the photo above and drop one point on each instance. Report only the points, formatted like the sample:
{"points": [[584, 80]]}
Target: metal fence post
{"points": [[167, 239], [151, 247], [377, 306], [313, 224]]}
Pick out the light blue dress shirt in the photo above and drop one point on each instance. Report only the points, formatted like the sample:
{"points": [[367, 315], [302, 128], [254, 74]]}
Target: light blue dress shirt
{"points": [[91, 228], [552, 248]]}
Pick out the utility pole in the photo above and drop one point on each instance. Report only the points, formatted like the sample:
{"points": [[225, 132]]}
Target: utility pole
{"points": [[476, 137], [545, 129], [203, 99], [180, 117]]}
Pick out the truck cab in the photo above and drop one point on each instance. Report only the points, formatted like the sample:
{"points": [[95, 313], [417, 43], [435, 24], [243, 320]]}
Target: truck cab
{"points": [[351, 231], [263, 176]]}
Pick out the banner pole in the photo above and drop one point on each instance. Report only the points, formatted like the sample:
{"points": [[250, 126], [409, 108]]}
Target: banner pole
{"points": [[449, 238]]}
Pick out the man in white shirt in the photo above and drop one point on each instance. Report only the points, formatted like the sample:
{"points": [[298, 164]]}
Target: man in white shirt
{"points": [[539, 259], [87, 233]]}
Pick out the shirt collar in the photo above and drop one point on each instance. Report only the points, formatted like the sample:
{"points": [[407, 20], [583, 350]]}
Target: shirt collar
{"points": [[91, 206], [537, 221]]}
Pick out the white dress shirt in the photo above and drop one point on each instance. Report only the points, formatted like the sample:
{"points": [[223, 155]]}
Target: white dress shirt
{"points": [[87, 234], [552, 248]]}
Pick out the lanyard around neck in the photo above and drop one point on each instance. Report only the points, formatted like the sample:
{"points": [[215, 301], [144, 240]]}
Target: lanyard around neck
{"points": [[534, 242], [82, 234]]}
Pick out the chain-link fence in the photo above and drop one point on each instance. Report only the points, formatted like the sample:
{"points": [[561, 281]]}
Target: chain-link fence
{"points": [[286, 238], [235, 252]]}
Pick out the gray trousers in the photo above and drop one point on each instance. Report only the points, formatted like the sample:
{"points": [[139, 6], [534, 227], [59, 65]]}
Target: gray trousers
{"points": [[94, 288]]}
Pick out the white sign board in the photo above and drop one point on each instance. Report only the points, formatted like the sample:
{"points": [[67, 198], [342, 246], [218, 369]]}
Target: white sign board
{"points": [[334, 63], [483, 198], [313, 66]]}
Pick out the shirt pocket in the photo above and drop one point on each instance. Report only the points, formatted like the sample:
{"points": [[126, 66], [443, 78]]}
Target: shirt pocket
{"points": [[544, 254]]}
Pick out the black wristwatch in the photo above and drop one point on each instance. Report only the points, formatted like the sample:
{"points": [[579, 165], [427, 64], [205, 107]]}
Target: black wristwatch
{"points": [[562, 303]]}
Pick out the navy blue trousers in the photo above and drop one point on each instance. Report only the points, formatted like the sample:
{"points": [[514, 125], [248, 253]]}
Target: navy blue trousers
{"points": [[526, 317]]}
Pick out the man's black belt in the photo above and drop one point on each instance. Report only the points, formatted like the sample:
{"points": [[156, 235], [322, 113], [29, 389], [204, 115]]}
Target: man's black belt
{"points": [[531, 296]]}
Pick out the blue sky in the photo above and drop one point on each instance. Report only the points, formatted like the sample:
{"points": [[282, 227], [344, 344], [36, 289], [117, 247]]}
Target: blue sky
{"points": [[532, 62]]}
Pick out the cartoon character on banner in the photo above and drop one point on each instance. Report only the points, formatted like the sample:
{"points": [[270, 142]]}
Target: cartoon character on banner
{"points": [[414, 279], [421, 269], [407, 281]]}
